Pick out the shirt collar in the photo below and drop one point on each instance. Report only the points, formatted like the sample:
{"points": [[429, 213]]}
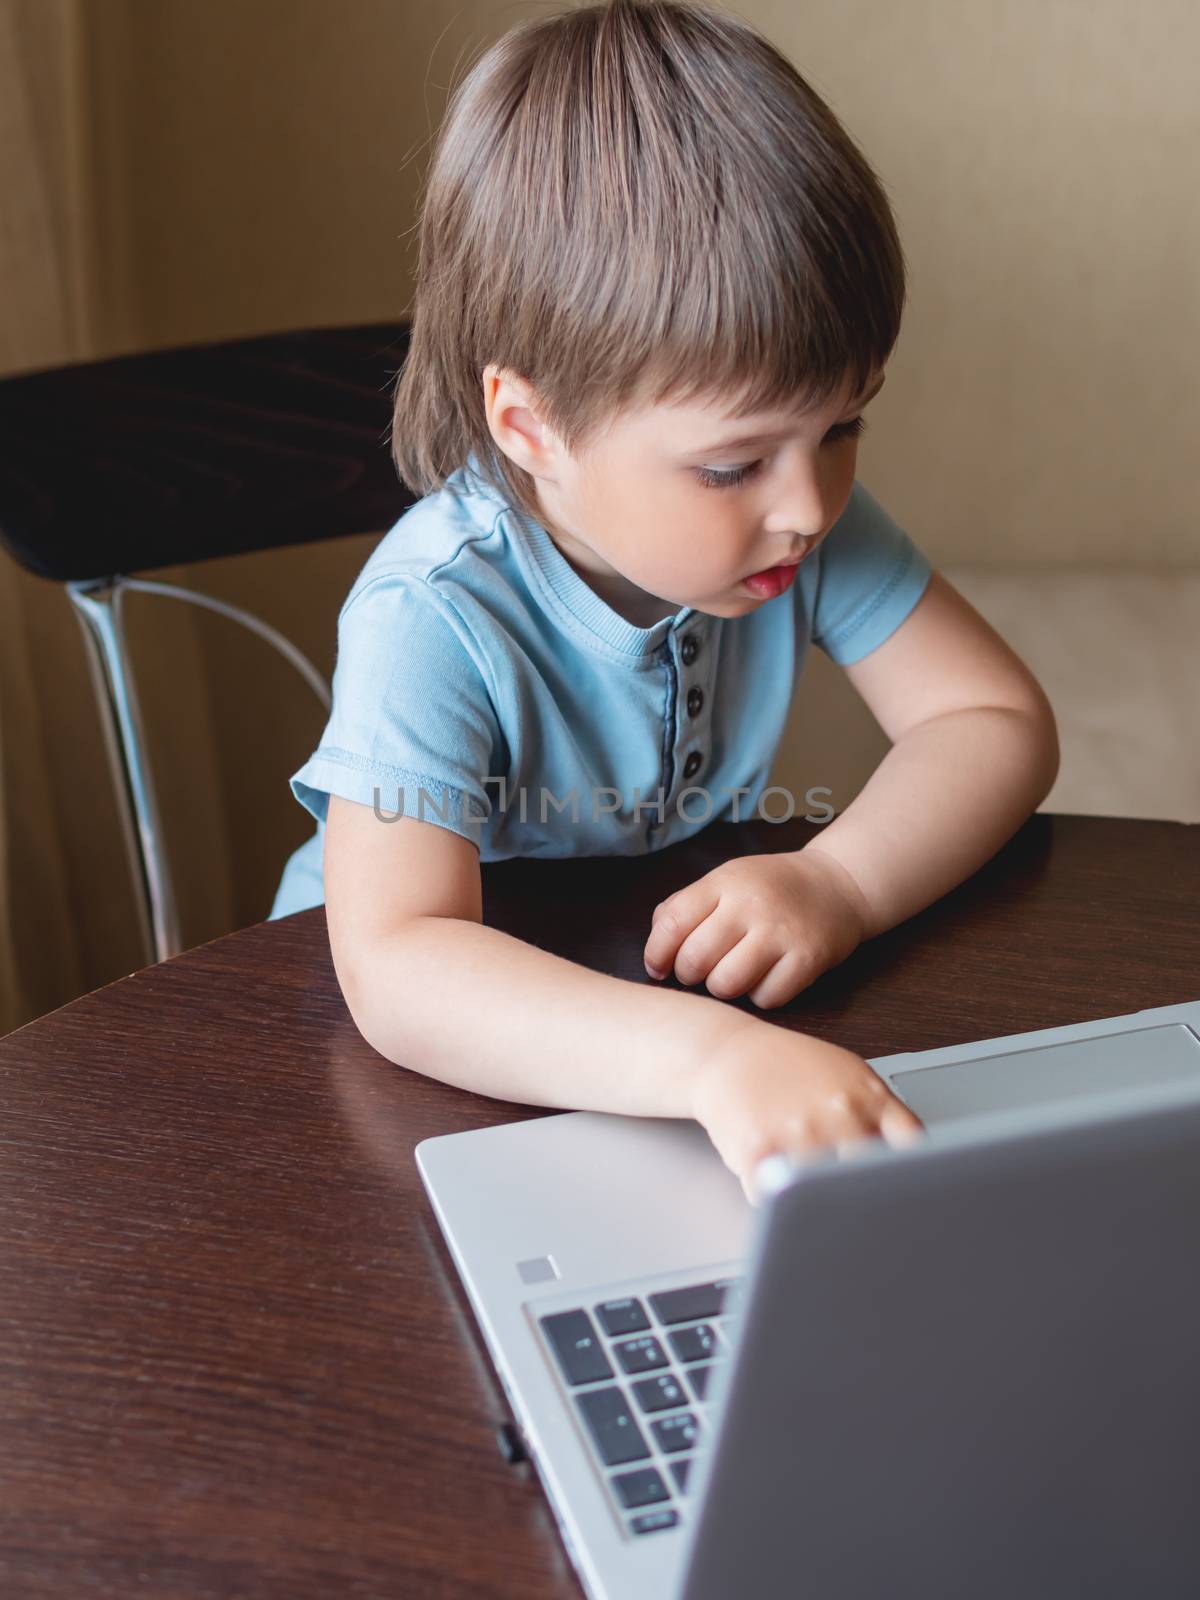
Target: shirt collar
{"points": [[582, 601]]}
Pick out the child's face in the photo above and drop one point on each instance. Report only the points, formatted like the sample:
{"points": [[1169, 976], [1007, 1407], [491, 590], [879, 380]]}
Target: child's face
{"points": [[635, 517]]}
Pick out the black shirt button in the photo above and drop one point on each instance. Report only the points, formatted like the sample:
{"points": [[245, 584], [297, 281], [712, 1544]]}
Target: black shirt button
{"points": [[695, 701], [689, 648], [692, 765]]}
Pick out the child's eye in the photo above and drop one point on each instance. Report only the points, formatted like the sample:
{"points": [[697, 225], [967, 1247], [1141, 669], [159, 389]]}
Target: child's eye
{"points": [[713, 478]]}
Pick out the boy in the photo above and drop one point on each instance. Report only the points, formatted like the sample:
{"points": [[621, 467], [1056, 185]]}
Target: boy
{"points": [[657, 286]]}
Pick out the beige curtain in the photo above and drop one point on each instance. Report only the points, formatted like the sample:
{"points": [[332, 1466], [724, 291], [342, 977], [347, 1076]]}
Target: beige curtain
{"points": [[68, 919], [41, 326]]}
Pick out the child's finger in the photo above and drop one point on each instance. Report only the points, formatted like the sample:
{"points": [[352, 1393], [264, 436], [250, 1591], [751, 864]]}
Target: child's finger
{"points": [[675, 925], [898, 1125], [747, 964]]}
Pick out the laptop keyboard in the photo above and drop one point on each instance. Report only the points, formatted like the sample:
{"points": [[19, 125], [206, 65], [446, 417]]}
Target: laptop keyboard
{"points": [[638, 1372]]}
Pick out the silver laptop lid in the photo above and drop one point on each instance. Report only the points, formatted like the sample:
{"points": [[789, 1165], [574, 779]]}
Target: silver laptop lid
{"points": [[974, 1369]]}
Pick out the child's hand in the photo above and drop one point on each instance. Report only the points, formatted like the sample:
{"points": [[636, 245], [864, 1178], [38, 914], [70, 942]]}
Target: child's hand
{"points": [[762, 925], [763, 1091]]}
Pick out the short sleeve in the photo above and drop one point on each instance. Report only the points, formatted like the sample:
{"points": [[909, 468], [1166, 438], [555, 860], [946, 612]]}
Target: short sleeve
{"points": [[412, 729], [870, 576]]}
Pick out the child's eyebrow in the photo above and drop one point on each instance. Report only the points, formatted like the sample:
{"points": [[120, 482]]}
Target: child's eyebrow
{"points": [[769, 437]]}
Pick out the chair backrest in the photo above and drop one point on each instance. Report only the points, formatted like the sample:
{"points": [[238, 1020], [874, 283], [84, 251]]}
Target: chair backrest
{"points": [[180, 455]]}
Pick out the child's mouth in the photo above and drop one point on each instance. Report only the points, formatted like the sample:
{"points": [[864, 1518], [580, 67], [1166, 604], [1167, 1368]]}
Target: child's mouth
{"points": [[766, 585]]}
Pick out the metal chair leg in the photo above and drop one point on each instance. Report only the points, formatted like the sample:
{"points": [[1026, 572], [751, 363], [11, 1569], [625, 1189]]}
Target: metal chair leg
{"points": [[97, 604]]}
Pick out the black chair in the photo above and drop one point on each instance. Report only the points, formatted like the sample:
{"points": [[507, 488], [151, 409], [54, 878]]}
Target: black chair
{"points": [[113, 468]]}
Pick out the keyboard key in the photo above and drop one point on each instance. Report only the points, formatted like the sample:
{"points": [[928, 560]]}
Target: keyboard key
{"points": [[652, 1521], [612, 1426], [681, 1466], [676, 1433], [574, 1341], [622, 1316], [640, 1488], [641, 1355], [695, 1344], [698, 1378], [686, 1305], [661, 1393]]}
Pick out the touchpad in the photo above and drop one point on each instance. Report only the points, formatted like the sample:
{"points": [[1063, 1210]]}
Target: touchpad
{"points": [[1051, 1073]]}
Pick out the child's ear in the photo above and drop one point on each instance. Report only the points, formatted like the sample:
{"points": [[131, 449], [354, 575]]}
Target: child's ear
{"points": [[513, 419]]}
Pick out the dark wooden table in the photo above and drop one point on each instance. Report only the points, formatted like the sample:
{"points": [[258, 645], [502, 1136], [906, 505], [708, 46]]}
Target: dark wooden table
{"points": [[234, 1358]]}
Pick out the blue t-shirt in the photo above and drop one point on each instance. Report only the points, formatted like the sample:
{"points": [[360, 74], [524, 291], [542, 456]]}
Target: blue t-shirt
{"points": [[482, 685]]}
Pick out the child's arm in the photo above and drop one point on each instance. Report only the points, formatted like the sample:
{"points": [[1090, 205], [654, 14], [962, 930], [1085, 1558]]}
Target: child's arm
{"points": [[433, 989], [974, 752]]}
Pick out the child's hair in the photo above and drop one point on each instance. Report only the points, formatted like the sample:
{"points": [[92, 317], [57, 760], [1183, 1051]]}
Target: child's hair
{"points": [[631, 203]]}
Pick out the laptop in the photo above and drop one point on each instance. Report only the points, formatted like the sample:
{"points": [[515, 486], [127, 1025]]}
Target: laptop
{"points": [[965, 1367]]}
